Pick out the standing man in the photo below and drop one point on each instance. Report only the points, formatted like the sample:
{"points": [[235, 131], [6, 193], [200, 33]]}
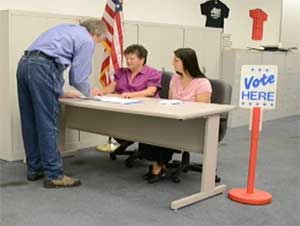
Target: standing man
{"points": [[40, 85]]}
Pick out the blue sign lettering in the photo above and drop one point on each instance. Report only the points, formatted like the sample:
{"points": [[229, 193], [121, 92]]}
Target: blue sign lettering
{"points": [[255, 82], [271, 96], [254, 95], [245, 95]]}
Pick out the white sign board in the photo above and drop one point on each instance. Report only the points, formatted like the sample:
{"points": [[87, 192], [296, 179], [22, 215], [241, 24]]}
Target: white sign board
{"points": [[258, 86]]}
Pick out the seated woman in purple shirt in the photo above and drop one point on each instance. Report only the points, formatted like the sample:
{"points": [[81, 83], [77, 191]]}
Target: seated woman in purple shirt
{"points": [[189, 84], [137, 80]]}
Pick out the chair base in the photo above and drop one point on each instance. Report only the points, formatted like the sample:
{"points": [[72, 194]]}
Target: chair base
{"points": [[130, 160], [113, 155], [121, 149], [185, 166]]}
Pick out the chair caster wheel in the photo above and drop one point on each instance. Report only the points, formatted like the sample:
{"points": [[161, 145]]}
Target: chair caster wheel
{"points": [[112, 156], [185, 170], [176, 180], [128, 164], [217, 179]]}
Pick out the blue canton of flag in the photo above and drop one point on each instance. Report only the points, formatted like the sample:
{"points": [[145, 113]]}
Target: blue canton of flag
{"points": [[118, 4]]}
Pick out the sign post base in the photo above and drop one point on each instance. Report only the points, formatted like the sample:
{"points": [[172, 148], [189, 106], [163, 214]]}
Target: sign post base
{"points": [[258, 197]]}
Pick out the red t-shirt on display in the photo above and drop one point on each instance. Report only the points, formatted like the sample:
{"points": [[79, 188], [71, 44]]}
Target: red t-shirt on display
{"points": [[258, 16]]}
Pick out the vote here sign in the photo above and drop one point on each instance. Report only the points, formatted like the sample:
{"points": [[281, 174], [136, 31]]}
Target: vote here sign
{"points": [[258, 86]]}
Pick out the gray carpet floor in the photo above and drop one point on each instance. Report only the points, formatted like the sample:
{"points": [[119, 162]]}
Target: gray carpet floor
{"points": [[112, 194]]}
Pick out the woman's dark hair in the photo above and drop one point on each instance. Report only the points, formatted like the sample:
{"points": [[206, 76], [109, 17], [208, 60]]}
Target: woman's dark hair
{"points": [[139, 50], [189, 60]]}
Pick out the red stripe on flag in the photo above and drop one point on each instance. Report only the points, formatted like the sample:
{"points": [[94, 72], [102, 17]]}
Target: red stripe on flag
{"points": [[105, 63], [109, 11], [108, 26], [114, 58], [120, 31]]}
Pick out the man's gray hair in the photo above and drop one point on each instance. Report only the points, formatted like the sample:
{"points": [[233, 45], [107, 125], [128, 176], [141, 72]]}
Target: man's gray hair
{"points": [[95, 27]]}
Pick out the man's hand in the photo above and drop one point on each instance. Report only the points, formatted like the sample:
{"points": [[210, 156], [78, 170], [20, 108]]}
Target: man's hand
{"points": [[98, 92], [72, 94], [127, 95]]}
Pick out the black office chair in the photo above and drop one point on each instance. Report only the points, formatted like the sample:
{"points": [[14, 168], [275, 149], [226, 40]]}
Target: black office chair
{"points": [[221, 94], [165, 84], [163, 93]]}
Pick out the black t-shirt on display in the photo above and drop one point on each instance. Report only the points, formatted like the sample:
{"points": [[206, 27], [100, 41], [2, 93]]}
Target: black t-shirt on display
{"points": [[215, 12]]}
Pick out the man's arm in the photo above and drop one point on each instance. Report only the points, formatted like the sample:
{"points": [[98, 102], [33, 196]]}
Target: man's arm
{"points": [[81, 68], [105, 90]]}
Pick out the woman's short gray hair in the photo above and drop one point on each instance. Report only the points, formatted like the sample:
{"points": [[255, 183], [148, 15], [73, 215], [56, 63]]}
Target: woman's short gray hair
{"points": [[95, 27]]}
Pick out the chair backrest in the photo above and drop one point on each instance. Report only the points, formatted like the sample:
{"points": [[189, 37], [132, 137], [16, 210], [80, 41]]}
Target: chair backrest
{"points": [[165, 83], [221, 94]]}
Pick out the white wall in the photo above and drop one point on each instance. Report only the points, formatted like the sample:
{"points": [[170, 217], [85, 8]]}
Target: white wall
{"points": [[183, 12], [73, 7], [165, 11], [290, 31]]}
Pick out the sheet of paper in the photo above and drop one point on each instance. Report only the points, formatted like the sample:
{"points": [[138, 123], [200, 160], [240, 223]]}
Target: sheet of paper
{"points": [[117, 100], [171, 102]]}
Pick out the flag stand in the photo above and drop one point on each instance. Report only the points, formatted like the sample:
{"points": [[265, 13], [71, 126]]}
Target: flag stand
{"points": [[109, 147]]}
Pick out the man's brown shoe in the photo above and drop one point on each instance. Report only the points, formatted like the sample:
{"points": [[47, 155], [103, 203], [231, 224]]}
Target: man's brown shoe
{"points": [[63, 182]]}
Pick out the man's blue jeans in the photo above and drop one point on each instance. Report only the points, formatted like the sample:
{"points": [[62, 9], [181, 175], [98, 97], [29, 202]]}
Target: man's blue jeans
{"points": [[40, 83]]}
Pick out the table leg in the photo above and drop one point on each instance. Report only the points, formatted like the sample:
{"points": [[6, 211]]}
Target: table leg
{"points": [[210, 154]]}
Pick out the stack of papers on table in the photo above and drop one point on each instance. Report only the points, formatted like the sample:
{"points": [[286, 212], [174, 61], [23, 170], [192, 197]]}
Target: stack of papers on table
{"points": [[171, 102], [116, 100]]}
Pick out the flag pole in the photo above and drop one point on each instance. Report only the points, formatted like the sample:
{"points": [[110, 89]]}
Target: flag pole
{"points": [[110, 146]]}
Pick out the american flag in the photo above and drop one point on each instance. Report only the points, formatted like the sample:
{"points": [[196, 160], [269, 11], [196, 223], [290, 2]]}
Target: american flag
{"points": [[113, 18]]}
